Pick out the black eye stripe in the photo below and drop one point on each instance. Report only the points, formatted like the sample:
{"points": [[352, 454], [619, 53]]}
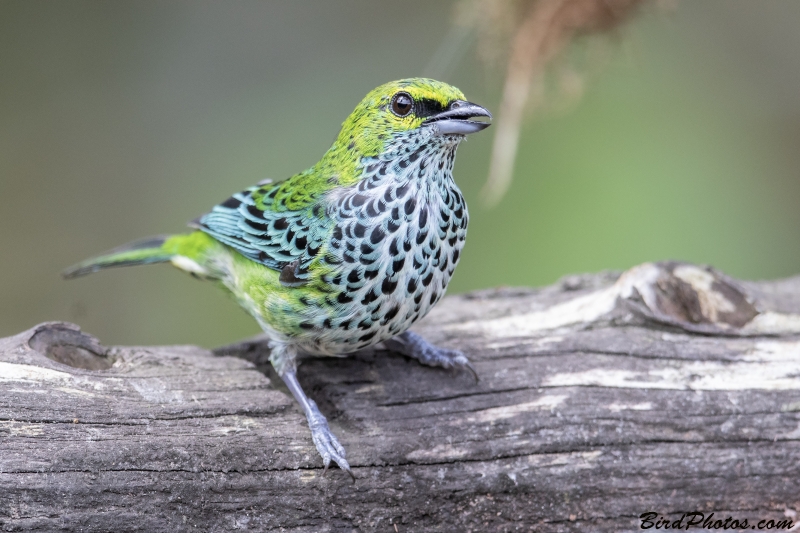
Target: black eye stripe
{"points": [[427, 107]]}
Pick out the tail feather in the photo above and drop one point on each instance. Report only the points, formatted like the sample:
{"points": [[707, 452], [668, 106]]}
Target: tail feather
{"points": [[141, 252]]}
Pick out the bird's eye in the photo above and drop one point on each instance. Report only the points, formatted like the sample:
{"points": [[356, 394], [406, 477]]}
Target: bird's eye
{"points": [[402, 103]]}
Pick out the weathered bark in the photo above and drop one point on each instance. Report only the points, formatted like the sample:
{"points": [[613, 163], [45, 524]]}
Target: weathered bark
{"points": [[669, 389]]}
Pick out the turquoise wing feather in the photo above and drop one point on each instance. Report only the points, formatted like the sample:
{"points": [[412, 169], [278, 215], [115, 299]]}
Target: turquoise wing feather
{"points": [[259, 224]]}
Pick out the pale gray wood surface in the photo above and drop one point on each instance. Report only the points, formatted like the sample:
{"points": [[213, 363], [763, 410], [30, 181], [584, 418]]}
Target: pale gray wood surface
{"points": [[671, 388]]}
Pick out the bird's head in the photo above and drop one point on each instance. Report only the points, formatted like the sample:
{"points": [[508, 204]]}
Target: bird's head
{"points": [[399, 108]]}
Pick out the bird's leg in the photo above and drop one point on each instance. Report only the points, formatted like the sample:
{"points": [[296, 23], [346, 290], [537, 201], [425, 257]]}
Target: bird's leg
{"points": [[284, 360], [325, 441], [412, 345]]}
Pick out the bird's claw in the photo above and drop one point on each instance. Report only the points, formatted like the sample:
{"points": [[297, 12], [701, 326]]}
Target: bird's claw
{"points": [[471, 369], [326, 442], [413, 345], [454, 359]]}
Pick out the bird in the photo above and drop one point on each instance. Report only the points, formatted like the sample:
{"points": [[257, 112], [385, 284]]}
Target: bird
{"points": [[347, 254]]}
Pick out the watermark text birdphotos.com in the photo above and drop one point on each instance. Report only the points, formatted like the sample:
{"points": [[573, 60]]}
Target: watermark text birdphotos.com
{"points": [[711, 521]]}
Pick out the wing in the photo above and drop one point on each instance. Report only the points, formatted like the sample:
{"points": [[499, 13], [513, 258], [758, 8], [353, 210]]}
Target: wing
{"points": [[279, 225]]}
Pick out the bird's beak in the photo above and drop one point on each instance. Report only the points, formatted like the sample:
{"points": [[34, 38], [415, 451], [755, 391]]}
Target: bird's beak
{"points": [[455, 120]]}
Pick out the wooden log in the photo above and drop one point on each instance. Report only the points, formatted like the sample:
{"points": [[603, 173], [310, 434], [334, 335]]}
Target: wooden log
{"points": [[668, 389]]}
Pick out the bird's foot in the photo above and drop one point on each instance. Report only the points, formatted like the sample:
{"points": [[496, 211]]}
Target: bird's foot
{"points": [[412, 345], [326, 442]]}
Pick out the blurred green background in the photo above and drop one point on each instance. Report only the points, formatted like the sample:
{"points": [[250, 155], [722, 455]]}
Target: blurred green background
{"points": [[120, 120]]}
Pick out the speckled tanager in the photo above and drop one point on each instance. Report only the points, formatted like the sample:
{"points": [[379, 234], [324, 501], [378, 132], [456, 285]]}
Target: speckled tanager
{"points": [[348, 253]]}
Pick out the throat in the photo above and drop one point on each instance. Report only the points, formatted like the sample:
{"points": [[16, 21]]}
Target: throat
{"points": [[423, 161]]}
